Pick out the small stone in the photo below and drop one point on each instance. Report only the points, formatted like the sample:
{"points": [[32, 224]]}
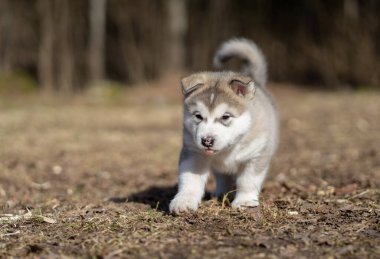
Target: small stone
{"points": [[57, 170]]}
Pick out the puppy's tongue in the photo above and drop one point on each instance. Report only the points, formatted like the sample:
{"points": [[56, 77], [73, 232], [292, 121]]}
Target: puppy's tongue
{"points": [[209, 151]]}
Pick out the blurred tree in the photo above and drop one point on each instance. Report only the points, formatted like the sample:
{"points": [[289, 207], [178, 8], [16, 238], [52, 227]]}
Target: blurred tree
{"points": [[137, 39], [5, 36], [46, 48], [329, 43], [66, 45], [97, 39], [65, 53], [18, 36], [61, 46], [177, 27]]}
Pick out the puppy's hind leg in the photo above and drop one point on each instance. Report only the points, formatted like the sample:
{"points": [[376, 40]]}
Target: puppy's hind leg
{"points": [[224, 184]]}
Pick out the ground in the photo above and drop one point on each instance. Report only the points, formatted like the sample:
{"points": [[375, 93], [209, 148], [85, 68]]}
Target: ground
{"points": [[92, 177]]}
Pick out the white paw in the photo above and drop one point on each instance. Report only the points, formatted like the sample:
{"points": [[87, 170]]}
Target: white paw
{"points": [[183, 203], [244, 203]]}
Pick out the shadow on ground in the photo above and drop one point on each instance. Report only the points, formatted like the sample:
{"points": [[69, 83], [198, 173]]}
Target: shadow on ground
{"points": [[156, 197]]}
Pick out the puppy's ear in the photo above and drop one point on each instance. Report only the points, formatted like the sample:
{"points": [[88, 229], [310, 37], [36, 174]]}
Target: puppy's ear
{"points": [[191, 83], [243, 86]]}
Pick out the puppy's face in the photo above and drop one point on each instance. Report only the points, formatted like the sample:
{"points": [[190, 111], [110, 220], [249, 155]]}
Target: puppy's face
{"points": [[215, 109]]}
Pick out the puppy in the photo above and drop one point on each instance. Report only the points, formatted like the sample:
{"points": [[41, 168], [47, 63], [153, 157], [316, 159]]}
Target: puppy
{"points": [[230, 129]]}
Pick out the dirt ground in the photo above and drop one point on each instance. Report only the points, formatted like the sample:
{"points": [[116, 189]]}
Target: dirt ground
{"points": [[92, 177]]}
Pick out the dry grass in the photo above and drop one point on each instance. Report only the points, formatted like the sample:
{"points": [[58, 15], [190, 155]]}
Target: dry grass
{"points": [[93, 179]]}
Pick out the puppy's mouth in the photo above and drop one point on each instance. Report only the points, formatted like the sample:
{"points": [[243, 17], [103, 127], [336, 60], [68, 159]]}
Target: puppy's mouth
{"points": [[210, 151]]}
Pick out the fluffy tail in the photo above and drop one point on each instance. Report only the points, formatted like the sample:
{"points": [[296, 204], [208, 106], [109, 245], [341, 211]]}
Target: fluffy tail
{"points": [[254, 60]]}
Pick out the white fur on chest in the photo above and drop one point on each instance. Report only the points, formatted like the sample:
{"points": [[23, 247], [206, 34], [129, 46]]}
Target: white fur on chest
{"points": [[230, 163]]}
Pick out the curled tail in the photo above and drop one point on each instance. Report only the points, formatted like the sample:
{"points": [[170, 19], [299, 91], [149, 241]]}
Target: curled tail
{"points": [[254, 60]]}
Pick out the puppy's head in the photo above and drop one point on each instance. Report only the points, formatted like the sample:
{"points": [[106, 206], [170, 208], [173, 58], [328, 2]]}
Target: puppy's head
{"points": [[216, 110]]}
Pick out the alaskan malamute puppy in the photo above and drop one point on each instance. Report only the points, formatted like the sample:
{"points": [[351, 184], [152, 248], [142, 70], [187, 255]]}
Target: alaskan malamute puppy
{"points": [[230, 129]]}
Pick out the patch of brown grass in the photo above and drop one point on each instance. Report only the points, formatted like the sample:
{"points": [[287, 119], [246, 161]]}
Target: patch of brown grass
{"points": [[97, 179]]}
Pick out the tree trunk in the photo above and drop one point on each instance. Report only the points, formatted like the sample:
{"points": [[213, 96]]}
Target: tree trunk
{"points": [[66, 52], [97, 14], [177, 26], [46, 48], [5, 36]]}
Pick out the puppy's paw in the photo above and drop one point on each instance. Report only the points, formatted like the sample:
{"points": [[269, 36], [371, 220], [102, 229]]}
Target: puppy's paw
{"points": [[244, 203], [183, 203]]}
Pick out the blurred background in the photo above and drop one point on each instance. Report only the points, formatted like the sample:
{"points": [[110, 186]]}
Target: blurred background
{"points": [[56, 46], [91, 128]]}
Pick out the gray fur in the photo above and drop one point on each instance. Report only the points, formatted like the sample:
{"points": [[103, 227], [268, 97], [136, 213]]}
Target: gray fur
{"points": [[243, 146]]}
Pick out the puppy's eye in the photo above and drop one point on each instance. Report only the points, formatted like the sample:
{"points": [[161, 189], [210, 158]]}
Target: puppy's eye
{"points": [[226, 117], [198, 116]]}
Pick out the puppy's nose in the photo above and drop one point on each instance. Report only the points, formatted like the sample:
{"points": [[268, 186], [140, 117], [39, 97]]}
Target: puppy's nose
{"points": [[208, 141]]}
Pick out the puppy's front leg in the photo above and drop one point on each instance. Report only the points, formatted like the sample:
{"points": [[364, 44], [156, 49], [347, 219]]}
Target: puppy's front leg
{"points": [[248, 186], [192, 178]]}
